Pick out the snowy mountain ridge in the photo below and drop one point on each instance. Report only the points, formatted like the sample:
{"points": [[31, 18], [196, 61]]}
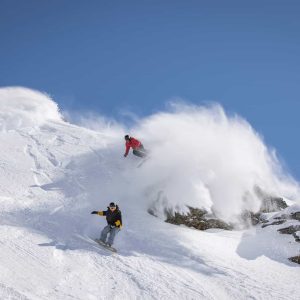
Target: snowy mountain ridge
{"points": [[53, 174]]}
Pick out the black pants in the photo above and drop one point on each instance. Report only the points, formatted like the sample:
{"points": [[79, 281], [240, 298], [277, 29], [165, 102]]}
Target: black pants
{"points": [[140, 152]]}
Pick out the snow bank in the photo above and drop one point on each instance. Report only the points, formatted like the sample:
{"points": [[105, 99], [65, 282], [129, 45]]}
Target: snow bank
{"points": [[21, 107]]}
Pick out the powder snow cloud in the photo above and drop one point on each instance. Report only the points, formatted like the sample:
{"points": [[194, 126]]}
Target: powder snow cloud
{"points": [[199, 156]]}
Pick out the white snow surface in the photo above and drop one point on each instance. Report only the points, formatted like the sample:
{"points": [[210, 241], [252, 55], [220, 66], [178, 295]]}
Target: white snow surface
{"points": [[53, 174]]}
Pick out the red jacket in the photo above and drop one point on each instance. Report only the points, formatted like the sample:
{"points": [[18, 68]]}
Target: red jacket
{"points": [[132, 143]]}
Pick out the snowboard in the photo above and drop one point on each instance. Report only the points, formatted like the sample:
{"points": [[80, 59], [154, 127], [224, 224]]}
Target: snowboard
{"points": [[99, 242], [143, 161]]}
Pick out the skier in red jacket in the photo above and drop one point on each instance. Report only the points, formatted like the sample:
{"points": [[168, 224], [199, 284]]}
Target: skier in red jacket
{"points": [[136, 145]]}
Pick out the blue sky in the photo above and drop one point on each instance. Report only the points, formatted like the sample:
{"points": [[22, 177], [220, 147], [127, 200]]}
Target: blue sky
{"points": [[109, 56]]}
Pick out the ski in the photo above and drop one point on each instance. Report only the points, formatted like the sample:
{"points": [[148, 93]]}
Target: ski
{"points": [[142, 162]]}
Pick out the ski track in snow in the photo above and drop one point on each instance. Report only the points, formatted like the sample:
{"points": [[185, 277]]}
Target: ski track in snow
{"points": [[46, 231]]}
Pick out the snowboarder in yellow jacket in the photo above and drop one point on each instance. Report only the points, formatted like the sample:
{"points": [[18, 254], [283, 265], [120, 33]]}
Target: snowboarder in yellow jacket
{"points": [[114, 223]]}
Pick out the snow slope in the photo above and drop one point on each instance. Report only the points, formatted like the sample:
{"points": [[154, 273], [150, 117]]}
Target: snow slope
{"points": [[53, 174]]}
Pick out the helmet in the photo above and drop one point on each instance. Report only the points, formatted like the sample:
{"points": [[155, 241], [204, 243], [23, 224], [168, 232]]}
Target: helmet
{"points": [[126, 137], [112, 204]]}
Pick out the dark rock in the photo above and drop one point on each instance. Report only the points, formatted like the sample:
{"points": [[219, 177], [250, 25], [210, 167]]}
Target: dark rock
{"points": [[269, 203], [255, 218], [215, 223], [296, 215], [274, 223], [295, 259], [160, 202], [197, 218], [297, 238], [282, 217], [249, 217], [289, 230]]}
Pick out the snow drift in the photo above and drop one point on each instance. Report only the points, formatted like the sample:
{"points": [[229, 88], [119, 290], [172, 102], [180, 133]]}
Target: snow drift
{"points": [[22, 107]]}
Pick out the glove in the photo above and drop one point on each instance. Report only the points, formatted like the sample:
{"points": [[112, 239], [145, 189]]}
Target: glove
{"points": [[118, 224], [94, 212]]}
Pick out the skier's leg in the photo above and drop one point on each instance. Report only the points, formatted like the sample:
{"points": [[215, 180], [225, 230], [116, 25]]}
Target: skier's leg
{"points": [[140, 152], [112, 235], [137, 153], [104, 233]]}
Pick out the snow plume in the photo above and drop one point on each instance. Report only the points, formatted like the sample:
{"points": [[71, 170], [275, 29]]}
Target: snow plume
{"points": [[204, 158], [200, 157], [21, 107], [109, 127]]}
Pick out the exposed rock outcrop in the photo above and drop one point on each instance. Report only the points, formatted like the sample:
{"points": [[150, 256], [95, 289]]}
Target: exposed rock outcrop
{"points": [[249, 217], [279, 222], [293, 229], [296, 215], [290, 216], [289, 230], [269, 203], [198, 219], [295, 259]]}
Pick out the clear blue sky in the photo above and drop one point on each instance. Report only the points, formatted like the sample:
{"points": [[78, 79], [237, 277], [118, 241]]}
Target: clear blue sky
{"points": [[110, 55]]}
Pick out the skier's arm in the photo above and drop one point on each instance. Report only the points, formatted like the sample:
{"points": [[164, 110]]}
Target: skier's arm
{"points": [[100, 213], [127, 149], [119, 222]]}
